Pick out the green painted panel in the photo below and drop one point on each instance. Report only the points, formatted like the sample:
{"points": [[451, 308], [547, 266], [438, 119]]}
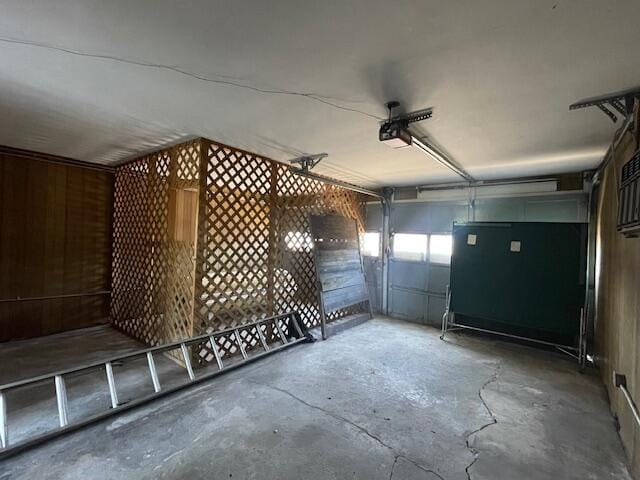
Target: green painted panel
{"points": [[536, 292]]}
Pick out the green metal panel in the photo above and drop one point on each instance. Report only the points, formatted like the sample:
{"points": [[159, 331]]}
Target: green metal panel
{"points": [[536, 292]]}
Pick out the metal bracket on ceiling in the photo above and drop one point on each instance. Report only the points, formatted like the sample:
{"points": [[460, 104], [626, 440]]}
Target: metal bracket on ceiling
{"points": [[621, 102], [307, 162], [407, 118]]}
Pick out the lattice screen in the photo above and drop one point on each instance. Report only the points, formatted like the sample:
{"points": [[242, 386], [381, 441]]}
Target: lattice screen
{"points": [[253, 254], [153, 270]]}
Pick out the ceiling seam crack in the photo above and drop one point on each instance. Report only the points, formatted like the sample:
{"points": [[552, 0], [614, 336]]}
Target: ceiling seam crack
{"points": [[324, 99]]}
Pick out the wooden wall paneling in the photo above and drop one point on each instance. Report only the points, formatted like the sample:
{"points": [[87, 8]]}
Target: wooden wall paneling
{"points": [[4, 325], [7, 241], [74, 252], [13, 247], [53, 273], [617, 337], [96, 244], [54, 231], [35, 239]]}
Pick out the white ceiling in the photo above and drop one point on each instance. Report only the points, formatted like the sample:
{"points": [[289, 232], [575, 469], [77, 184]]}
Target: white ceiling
{"points": [[102, 81]]}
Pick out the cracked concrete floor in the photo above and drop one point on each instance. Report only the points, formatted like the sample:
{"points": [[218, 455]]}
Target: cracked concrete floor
{"points": [[385, 400]]}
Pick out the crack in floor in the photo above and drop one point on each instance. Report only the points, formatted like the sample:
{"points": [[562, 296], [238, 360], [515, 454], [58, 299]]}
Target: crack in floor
{"points": [[494, 421], [360, 428], [395, 460]]}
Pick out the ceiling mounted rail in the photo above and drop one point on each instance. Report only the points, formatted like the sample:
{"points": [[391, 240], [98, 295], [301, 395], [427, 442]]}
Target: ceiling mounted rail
{"points": [[307, 162], [611, 104], [395, 133]]}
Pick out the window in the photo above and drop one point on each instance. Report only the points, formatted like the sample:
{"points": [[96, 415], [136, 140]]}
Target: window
{"points": [[440, 247], [409, 246], [371, 244]]}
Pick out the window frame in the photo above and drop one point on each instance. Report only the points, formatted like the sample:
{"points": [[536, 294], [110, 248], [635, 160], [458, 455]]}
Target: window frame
{"points": [[428, 253], [441, 234], [400, 259]]}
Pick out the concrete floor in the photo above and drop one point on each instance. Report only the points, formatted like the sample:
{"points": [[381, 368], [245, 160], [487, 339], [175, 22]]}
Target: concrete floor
{"points": [[384, 400]]}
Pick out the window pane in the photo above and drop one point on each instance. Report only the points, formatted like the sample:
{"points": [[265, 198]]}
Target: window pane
{"points": [[371, 244], [407, 246], [440, 249]]}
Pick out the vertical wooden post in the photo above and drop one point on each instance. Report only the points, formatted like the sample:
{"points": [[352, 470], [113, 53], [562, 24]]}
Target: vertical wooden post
{"points": [[201, 246], [273, 239]]}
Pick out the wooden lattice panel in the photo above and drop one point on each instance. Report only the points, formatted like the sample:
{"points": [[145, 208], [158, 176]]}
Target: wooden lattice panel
{"points": [[233, 243], [153, 273], [255, 252], [252, 245], [298, 197]]}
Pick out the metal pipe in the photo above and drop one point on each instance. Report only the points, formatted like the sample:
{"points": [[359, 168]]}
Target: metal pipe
{"points": [[620, 381], [281, 334], [386, 237], [113, 393], [153, 372], [187, 361], [631, 403], [445, 315], [486, 183], [518, 337], [54, 297], [240, 344], [61, 397], [337, 183], [216, 353], [4, 427], [263, 340], [589, 293]]}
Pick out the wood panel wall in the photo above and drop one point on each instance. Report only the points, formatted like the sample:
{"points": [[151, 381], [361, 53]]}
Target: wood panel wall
{"points": [[55, 240], [618, 301]]}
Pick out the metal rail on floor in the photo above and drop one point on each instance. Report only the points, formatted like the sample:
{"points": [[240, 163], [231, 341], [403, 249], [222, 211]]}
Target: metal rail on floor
{"points": [[279, 324], [578, 352]]}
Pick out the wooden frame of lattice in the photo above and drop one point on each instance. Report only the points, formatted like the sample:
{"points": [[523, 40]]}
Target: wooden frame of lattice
{"points": [[249, 256], [153, 256]]}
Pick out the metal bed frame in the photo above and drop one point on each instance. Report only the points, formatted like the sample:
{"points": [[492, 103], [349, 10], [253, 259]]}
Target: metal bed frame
{"points": [[578, 352]]}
